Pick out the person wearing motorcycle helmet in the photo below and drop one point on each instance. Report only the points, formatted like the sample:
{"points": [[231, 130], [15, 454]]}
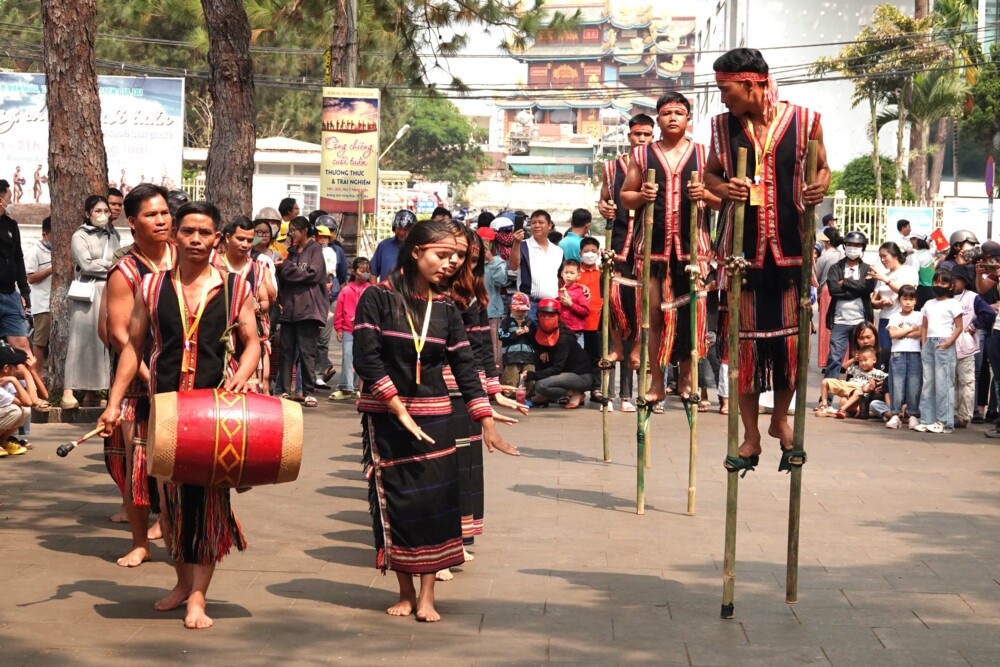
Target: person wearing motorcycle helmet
{"points": [[850, 287], [963, 248], [562, 368], [387, 251]]}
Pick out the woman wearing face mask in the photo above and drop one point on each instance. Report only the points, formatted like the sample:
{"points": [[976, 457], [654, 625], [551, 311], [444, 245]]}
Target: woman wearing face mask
{"points": [[93, 247]]}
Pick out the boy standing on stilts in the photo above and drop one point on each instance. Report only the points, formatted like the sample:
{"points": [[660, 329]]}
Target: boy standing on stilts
{"points": [[673, 158], [776, 136]]}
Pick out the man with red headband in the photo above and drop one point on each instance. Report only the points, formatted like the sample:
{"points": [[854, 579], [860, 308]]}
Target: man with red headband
{"points": [[673, 158], [624, 310], [775, 135]]}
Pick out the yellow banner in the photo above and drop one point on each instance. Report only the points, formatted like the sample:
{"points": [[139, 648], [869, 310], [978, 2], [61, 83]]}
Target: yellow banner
{"points": [[349, 171]]}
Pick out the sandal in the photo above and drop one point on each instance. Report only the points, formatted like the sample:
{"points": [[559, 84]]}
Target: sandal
{"points": [[738, 463], [598, 397], [605, 364], [286, 396], [704, 406], [658, 409], [309, 401], [723, 410]]}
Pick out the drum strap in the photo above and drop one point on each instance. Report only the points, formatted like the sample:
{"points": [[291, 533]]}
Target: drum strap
{"points": [[227, 335]]}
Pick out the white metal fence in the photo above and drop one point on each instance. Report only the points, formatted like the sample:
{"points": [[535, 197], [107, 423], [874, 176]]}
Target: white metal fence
{"points": [[869, 215], [195, 188]]}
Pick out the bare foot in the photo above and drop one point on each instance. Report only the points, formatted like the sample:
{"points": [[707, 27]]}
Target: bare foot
{"points": [[783, 433], [468, 557], [614, 356], [574, 399], [174, 599], [655, 394], [134, 558], [426, 611], [196, 618], [633, 359], [749, 448], [155, 532], [444, 575], [404, 607], [119, 517]]}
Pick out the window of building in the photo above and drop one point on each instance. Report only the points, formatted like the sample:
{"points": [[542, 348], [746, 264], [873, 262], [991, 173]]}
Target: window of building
{"points": [[559, 116], [306, 194], [305, 169], [274, 169]]}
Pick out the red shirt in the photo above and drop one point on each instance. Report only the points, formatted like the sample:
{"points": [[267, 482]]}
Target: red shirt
{"points": [[590, 277], [575, 315], [347, 305]]}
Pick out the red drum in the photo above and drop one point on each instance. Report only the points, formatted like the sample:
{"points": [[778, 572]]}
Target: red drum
{"points": [[211, 437]]}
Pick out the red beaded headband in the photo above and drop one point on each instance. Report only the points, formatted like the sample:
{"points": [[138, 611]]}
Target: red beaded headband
{"points": [[771, 90]]}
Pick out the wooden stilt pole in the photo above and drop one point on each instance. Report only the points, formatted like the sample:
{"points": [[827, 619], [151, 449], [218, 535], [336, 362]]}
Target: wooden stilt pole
{"points": [[695, 391], [732, 485], [799, 432], [644, 411], [607, 267]]}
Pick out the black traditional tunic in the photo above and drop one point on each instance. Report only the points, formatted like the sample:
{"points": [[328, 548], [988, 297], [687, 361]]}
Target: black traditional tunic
{"points": [[131, 476], [772, 243], [201, 518], [413, 486], [670, 252], [624, 306]]}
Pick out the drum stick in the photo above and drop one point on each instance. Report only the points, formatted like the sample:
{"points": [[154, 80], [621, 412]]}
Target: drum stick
{"points": [[63, 450]]}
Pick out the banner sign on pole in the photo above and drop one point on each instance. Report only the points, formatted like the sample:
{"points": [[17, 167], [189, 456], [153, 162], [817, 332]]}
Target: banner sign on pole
{"points": [[349, 169], [142, 119], [921, 219], [990, 170]]}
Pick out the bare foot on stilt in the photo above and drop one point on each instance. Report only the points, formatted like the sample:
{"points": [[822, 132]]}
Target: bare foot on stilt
{"points": [[404, 607], [155, 532], [750, 448], [444, 575], [633, 359], [783, 432], [134, 558], [174, 599], [196, 618]]}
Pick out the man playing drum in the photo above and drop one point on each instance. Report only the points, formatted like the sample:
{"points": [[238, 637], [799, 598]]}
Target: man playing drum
{"points": [[187, 312]]}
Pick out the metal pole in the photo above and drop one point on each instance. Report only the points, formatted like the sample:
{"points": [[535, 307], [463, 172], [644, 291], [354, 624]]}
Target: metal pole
{"points": [[733, 445], [693, 414], [644, 411], [605, 327], [799, 432]]}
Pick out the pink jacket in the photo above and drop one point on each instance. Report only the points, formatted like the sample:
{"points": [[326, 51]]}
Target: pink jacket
{"points": [[575, 315], [347, 305]]}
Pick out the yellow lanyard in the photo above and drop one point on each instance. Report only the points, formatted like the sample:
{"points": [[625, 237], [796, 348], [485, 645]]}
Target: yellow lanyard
{"points": [[190, 325], [419, 341], [761, 153]]}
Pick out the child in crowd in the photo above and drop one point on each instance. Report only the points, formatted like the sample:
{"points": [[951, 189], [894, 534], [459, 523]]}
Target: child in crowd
{"points": [[976, 314], [574, 305], [343, 324], [590, 279], [15, 403], [907, 374], [516, 333], [939, 329], [862, 380]]}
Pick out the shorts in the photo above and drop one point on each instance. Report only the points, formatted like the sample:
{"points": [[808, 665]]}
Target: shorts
{"points": [[12, 319], [841, 388], [13, 416], [43, 326]]}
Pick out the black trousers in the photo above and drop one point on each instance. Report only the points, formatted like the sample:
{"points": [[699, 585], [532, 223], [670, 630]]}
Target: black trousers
{"points": [[299, 341]]}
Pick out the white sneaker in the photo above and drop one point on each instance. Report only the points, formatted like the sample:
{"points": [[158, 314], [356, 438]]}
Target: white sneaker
{"points": [[894, 422], [936, 427], [627, 406], [920, 428], [914, 423], [947, 429]]}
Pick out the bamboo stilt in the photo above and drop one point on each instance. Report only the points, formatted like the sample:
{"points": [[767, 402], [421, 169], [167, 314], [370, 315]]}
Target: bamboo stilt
{"points": [[605, 331], [643, 413], [799, 431], [733, 445], [693, 415]]}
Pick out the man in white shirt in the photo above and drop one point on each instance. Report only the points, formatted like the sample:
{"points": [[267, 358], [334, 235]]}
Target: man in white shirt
{"points": [[902, 239], [38, 267], [538, 261]]}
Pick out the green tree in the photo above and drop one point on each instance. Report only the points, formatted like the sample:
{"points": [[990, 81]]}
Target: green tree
{"points": [[439, 145], [858, 179], [981, 126]]}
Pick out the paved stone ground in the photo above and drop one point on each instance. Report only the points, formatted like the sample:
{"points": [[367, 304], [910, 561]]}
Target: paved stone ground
{"points": [[900, 558]]}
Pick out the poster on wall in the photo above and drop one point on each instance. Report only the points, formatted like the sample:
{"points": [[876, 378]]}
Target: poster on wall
{"points": [[968, 213], [921, 219], [349, 169], [142, 119]]}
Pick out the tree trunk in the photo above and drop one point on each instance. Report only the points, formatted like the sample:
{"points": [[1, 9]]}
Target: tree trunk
{"points": [[230, 165], [344, 45], [937, 160], [78, 162], [920, 9], [954, 155], [920, 184], [900, 127], [876, 161]]}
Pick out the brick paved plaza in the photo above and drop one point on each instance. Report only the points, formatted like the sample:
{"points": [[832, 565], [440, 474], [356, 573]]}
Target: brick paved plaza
{"points": [[900, 559]]}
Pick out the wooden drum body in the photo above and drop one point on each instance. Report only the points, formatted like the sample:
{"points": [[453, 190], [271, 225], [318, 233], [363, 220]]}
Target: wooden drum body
{"points": [[211, 437]]}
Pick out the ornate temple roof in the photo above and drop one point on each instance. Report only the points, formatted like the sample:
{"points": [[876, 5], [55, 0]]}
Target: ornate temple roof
{"points": [[564, 52]]}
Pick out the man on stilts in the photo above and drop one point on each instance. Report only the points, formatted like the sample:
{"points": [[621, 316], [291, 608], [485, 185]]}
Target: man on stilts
{"points": [[673, 158], [776, 136], [624, 305]]}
